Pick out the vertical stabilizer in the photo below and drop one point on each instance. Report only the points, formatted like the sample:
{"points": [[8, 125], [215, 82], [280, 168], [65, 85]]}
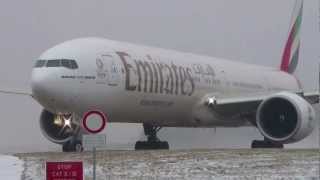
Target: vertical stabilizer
{"points": [[290, 54]]}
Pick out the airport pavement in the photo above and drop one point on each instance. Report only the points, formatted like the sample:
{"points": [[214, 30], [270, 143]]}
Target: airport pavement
{"points": [[186, 164]]}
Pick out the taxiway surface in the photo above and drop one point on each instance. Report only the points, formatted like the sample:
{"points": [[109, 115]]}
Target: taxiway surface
{"points": [[185, 164]]}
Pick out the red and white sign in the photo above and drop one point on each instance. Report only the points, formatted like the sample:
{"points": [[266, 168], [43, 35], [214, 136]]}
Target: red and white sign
{"points": [[64, 170], [94, 121]]}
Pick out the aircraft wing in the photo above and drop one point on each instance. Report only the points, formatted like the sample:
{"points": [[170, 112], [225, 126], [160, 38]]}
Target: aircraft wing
{"points": [[312, 97], [233, 105], [246, 105], [238, 100]]}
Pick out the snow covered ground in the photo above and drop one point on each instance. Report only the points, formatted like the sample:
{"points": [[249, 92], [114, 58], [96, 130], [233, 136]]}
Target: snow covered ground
{"points": [[10, 167], [183, 164]]}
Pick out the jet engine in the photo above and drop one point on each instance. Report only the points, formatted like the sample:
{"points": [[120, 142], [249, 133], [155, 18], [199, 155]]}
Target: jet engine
{"points": [[285, 118], [58, 128]]}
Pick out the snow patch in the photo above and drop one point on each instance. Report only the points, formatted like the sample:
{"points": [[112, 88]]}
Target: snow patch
{"points": [[186, 164], [10, 167]]}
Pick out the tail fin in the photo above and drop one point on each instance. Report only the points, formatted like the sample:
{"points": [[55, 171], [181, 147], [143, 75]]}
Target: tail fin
{"points": [[290, 54]]}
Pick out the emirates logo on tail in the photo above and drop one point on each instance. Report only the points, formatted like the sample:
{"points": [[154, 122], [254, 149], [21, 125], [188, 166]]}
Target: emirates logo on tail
{"points": [[290, 55]]}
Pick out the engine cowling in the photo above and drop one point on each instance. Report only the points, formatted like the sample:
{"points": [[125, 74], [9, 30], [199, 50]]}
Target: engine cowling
{"points": [[57, 128], [285, 118]]}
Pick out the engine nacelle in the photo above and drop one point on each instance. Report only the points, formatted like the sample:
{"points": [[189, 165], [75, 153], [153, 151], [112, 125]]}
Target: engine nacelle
{"points": [[285, 118], [57, 128]]}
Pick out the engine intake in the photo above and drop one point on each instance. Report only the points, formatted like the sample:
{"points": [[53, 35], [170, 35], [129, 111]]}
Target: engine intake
{"points": [[285, 118], [57, 128]]}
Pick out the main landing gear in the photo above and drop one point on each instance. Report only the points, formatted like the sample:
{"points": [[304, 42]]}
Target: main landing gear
{"points": [[265, 144], [153, 141]]}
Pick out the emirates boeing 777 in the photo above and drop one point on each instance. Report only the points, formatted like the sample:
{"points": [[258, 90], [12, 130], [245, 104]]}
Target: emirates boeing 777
{"points": [[130, 83]]}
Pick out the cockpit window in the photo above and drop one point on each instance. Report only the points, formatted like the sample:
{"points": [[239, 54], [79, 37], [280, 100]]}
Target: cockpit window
{"points": [[73, 64], [40, 63], [67, 63], [53, 63]]}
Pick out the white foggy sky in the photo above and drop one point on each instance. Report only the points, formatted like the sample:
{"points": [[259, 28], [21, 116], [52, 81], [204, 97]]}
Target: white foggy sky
{"points": [[248, 30]]}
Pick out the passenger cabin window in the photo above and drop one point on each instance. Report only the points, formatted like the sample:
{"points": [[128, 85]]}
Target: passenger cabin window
{"points": [[66, 63], [40, 63]]}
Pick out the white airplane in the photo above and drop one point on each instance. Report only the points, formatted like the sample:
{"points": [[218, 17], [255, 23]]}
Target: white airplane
{"points": [[163, 88]]}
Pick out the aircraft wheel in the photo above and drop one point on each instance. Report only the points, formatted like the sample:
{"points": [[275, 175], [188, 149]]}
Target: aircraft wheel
{"points": [[153, 145], [265, 144], [140, 145], [164, 145]]}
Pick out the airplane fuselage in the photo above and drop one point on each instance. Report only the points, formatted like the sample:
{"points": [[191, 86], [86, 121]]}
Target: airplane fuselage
{"points": [[135, 84]]}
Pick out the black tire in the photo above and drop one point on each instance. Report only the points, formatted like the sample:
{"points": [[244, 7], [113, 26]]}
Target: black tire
{"points": [[265, 144], [255, 144], [279, 146], [151, 145], [140, 145], [164, 145]]}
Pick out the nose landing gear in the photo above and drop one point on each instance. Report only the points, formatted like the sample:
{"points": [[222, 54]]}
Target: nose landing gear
{"points": [[74, 145], [153, 141]]}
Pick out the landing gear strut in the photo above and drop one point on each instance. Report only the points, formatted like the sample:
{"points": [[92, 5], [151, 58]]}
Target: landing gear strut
{"points": [[265, 144], [74, 145], [153, 141]]}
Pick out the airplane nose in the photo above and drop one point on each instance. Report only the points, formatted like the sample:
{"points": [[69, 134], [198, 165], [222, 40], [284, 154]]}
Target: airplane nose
{"points": [[46, 89], [41, 86]]}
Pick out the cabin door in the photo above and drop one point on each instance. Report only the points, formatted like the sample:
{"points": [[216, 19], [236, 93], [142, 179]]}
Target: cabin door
{"points": [[111, 69]]}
